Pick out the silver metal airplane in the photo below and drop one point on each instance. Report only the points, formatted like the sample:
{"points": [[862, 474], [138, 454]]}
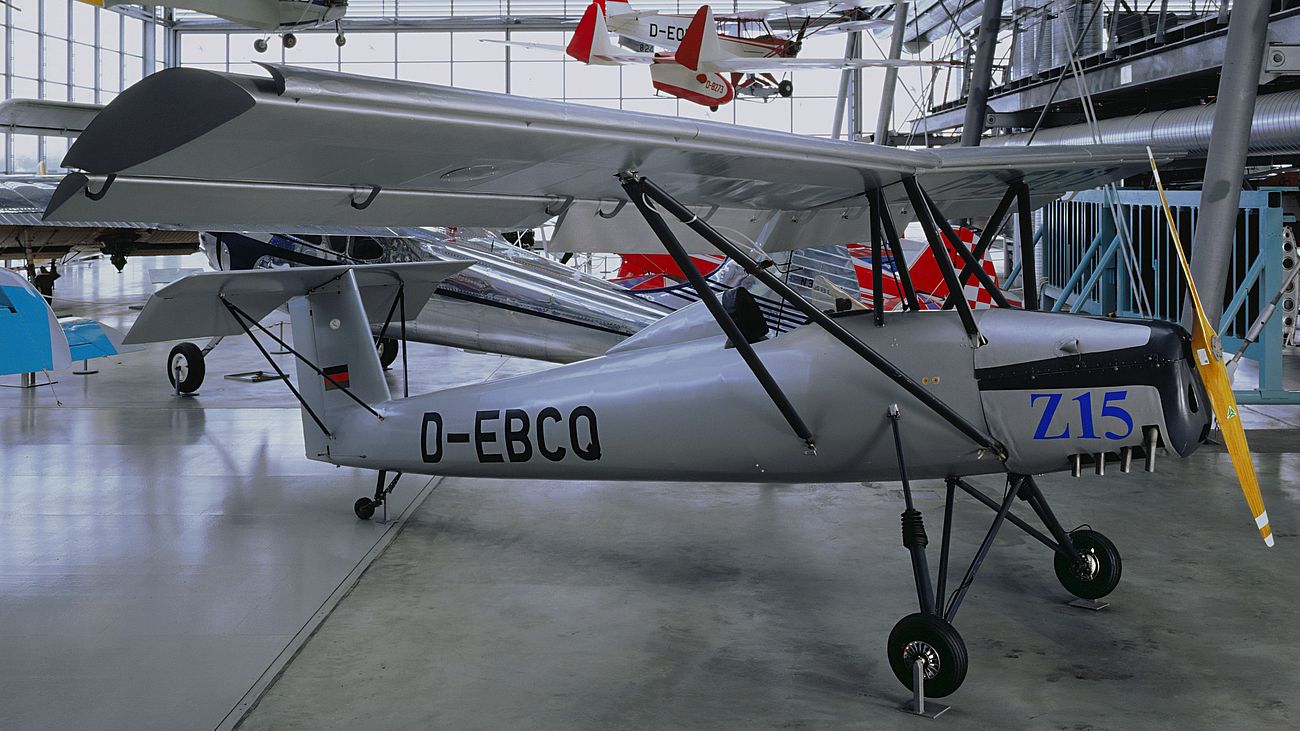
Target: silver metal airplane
{"points": [[851, 395], [272, 16]]}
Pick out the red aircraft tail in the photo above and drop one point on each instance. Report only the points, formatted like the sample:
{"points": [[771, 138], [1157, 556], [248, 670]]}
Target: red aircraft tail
{"points": [[700, 44], [584, 35]]}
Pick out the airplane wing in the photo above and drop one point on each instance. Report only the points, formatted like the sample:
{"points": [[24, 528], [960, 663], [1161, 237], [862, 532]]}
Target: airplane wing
{"points": [[44, 117], [321, 148], [775, 63], [815, 8], [257, 14], [628, 57]]}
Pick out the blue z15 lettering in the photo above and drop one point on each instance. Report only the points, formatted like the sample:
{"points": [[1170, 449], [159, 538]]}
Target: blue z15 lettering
{"points": [[1087, 423]]}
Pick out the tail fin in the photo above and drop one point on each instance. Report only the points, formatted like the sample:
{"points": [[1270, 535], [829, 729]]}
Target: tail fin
{"points": [[700, 44], [591, 37], [615, 7], [331, 309]]}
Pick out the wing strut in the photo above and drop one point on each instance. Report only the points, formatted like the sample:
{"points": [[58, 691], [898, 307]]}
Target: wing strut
{"points": [[899, 259], [991, 229], [925, 216], [642, 191], [710, 299], [970, 265]]}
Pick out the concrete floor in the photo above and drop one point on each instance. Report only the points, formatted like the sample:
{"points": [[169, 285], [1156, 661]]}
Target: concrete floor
{"points": [[160, 558], [159, 554]]}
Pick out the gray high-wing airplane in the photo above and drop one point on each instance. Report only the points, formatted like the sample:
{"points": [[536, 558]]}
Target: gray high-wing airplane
{"points": [[852, 395], [272, 16]]}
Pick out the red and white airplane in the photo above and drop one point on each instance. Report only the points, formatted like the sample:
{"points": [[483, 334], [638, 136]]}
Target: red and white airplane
{"points": [[708, 61]]}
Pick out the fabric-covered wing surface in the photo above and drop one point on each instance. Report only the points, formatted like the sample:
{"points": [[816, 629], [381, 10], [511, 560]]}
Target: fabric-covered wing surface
{"points": [[322, 148]]}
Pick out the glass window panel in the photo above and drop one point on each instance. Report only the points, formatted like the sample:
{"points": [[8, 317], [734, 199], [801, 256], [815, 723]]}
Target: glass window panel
{"points": [[519, 53], [57, 92], [425, 73], [202, 49], [132, 70], [56, 18], [483, 75], [56, 60], [812, 116], [27, 15], [379, 70], [26, 152], [83, 95], [591, 82], [56, 148], [110, 31], [240, 48], [312, 48], [470, 47], [83, 65], [367, 47], [110, 71], [659, 105], [423, 46], [25, 88], [25, 58], [772, 115], [825, 82], [83, 23], [537, 78], [133, 35]]}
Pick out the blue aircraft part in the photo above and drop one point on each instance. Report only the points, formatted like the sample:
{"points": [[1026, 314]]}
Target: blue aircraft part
{"points": [[87, 339], [26, 323]]}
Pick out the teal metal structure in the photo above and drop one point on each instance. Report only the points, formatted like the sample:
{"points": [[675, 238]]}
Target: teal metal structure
{"points": [[1083, 262]]}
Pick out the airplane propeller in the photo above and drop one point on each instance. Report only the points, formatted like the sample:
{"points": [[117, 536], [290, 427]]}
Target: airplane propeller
{"points": [[1208, 354]]}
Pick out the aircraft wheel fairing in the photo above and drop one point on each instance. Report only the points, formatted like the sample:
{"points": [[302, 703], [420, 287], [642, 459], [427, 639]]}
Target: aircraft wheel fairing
{"points": [[939, 647], [387, 348], [1099, 574], [364, 507], [185, 368]]}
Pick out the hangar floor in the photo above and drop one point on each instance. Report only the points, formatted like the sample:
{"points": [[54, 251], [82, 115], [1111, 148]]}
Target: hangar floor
{"points": [[162, 559]]}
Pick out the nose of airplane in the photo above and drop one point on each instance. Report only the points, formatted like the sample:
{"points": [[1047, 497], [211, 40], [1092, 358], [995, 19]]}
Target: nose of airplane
{"points": [[1182, 394]]}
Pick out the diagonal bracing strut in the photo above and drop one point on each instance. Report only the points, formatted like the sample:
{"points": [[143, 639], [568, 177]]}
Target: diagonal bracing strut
{"points": [[642, 191]]}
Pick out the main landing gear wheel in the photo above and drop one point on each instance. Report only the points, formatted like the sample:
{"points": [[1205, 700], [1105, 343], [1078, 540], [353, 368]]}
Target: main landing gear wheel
{"points": [[939, 648], [340, 40], [387, 348], [290, 40], [185, 369], [785, 88], [1098, 573], [364, 507], [260, 45]]}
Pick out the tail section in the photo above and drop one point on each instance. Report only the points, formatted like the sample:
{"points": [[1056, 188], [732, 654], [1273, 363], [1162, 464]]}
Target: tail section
{"points": [[590, 42], [700, 45], [615, 7], [331, 309]]}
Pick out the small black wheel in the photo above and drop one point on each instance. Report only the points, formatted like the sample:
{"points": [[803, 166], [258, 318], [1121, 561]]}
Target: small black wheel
{"points": [[185, 368], [260, 45], [290, 40], [713, 108], [387, 348], [364, 507], [785, 88], [1100, 570], [937, 645], [340, 40]]}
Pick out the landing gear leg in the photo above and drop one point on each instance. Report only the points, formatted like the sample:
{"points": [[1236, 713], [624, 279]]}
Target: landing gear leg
{"points": [[340, 40], [365, 507], [923, 647]]}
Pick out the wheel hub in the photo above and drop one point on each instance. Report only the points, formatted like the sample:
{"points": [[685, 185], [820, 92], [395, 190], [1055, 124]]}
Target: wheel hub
{"points": [[180, 368], [925, 652], [1089, 566]]}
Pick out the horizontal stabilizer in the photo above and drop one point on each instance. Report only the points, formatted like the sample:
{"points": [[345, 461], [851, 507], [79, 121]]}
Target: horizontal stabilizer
{"points": [[192, 307], [89, 339]]}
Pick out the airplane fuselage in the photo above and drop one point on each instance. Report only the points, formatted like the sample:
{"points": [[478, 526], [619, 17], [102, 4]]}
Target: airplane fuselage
{"points": [[1047, 386]]}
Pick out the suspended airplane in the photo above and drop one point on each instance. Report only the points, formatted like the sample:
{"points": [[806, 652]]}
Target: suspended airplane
{"points": [[860, 396], [704, 65], [272, 16]]}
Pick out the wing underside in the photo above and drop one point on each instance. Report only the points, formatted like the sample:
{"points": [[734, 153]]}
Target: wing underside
{"points": [[309, 147]]}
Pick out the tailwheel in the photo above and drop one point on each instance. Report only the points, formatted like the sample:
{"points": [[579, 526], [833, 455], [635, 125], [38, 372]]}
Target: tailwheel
{"points": [[939, 648], [1097, 574], [185, 368], [364, 507], [785, 88]]}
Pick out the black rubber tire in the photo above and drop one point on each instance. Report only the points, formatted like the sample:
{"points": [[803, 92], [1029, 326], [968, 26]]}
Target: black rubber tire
{"points": [[713, 108], [388, 351], [260, 45], [364, 507], [340, 41], [1103, 578], [190, 359], [943, 639], [290, 40], [785, 88]]}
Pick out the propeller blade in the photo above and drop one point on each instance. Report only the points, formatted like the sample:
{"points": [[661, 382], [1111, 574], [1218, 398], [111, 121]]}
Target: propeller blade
{"points": [[1207, 351]]}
